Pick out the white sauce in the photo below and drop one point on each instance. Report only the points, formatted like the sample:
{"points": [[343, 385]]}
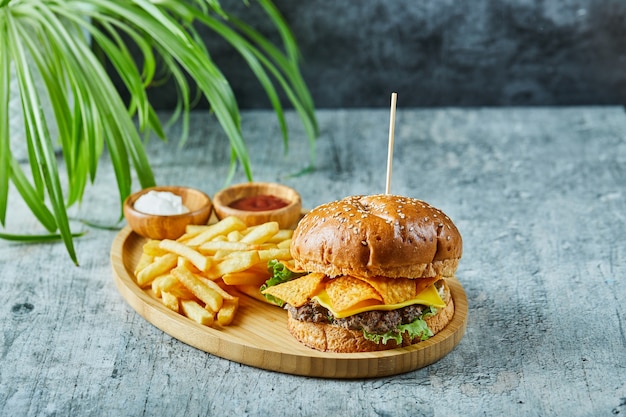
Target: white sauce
{"points": [[163, 203]]}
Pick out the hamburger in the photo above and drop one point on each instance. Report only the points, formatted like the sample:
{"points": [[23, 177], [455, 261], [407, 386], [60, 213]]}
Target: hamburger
{"points": [[369, 274]]}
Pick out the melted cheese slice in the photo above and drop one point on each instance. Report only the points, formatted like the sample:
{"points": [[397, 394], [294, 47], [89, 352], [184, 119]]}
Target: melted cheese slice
{"points": [[429, 297]]}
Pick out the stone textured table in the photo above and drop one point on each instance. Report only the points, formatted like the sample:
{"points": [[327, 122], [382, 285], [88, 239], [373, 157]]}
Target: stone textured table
{"points": [[539, 195]]}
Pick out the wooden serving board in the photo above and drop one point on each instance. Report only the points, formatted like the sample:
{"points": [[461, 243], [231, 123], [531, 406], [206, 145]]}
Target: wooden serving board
{"points": [[259, 337]]}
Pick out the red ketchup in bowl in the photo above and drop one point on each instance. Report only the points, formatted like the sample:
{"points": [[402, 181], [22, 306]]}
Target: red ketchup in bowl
{"points": [[261, 202]]}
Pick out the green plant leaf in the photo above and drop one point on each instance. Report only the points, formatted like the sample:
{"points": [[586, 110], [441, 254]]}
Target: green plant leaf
{"points": [[213, 85], [117, 52], [31, 198], [5, 148], [36, 238], [299, 95], [245, 49], [39, 136], [285, 32], [289, 64], [70, 42]]}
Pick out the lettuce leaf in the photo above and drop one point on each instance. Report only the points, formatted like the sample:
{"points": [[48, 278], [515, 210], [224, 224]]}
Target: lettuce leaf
{"points": [[417, 328], [280, 273]]}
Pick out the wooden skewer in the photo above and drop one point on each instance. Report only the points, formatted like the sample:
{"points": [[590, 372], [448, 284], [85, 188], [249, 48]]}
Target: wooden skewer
{"points": [[392, 122]]}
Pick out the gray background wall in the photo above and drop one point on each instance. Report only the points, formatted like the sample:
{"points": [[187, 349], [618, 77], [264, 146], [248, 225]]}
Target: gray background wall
{"points": [[444, 52]]}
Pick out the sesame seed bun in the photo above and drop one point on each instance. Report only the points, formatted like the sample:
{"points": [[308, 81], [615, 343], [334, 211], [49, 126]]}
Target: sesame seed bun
{"points": [[377, 235]]}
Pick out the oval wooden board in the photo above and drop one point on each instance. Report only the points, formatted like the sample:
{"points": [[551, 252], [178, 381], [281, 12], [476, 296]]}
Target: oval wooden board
{"points": [[259, 337]]}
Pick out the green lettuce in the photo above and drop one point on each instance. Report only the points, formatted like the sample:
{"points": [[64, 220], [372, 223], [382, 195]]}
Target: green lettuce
{"points": [[416, 329], [280, 273]]}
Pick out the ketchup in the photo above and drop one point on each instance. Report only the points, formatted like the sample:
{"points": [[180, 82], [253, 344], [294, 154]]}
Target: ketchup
{"points": [[261, 202]]}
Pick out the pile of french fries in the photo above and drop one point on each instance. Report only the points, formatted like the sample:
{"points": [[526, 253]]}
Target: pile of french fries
{"points": [[203, 273]]}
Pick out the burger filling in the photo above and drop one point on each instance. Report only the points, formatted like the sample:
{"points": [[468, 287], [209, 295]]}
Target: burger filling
{"points": [[375, 321], [379, 323]]}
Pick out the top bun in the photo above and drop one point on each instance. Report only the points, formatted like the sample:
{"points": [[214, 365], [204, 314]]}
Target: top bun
{"points": [[377, 235]]}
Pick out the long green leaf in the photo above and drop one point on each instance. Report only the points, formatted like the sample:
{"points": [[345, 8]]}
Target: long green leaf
{"points": [[72, 130], [5, 148], [184, 98], [87, 107], [40, 137], [304, 107], [76, 135], [210, 80], [245, 50], [124, 63], [31, 198], [36, 238], [285, 32], [289, 67], [293, 84], [121, 136], [52, 73]]}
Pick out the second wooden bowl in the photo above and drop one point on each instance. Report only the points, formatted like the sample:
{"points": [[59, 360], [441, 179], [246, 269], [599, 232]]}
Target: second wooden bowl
{"points": [[286, 216]]}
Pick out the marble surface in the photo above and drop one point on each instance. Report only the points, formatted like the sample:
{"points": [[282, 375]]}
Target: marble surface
{"points": [[538, 194]]}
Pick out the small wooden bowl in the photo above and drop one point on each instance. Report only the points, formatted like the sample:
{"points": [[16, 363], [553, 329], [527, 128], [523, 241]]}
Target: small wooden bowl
{"points": [[155, 226], [286, 216]]}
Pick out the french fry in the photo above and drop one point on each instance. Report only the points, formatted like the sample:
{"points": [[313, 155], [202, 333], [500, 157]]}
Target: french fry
{"points": [[261, 233], [144, 260], [207, 295], [235, 236], [158, 284], [169, 283], [227, 313], [285, 244], [196, 258], [220, 254], [247, 277], [213, 246], [195, 228], [195, 312], [267, 255], [161, 265], [221, 291], [281, 236], [170, 301], [223, 227], [234, 262], [156, 289], [152, 248], [186, 263], [191, 231], [260, 268], [252, 291], [203, 274]]}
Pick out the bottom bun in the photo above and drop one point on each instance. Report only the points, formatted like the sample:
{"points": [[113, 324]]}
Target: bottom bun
{"points": [[326, 337]]}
